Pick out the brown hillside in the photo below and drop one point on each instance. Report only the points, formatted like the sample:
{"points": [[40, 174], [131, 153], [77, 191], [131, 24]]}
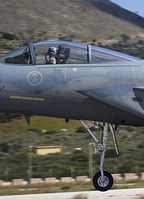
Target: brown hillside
{"points": [[83, 19]]}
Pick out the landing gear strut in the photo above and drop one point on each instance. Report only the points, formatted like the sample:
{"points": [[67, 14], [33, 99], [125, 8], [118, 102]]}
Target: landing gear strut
{"points": [[102, 180]]}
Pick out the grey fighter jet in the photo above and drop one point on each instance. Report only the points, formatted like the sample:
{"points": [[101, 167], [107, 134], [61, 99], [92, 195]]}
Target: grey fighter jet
{"points": [[75, 81]]}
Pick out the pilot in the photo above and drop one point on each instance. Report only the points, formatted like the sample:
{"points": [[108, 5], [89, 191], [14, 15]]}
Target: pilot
{"points": [[51, 55]]}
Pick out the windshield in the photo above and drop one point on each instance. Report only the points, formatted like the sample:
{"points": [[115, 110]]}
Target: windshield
{"points": [[21, 56]]}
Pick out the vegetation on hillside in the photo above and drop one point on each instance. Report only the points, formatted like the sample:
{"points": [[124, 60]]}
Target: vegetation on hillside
{"points": [[82, 20], [16, 137]]}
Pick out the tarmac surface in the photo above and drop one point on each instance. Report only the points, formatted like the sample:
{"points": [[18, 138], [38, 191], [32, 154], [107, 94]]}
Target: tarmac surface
{"points": [[111, 194]]}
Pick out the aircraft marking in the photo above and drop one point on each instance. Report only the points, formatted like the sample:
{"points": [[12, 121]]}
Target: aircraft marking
{"points": [[26, 98], [74, 69], [34, 78]]}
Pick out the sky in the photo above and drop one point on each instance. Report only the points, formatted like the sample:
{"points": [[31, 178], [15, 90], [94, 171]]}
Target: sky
{"points": [[136, 6]]}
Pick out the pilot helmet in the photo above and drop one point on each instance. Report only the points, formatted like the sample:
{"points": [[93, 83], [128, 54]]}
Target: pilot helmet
{"points": [[53, 50]]}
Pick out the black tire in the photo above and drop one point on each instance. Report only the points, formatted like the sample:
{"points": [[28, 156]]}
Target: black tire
{"points": [[103, 185]]}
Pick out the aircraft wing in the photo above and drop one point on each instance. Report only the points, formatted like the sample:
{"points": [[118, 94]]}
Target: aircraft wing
{"points": [[139, 93], [123, 97]]}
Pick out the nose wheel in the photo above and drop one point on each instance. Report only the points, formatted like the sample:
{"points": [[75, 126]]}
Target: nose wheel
{"points": [[103, 183], [102, 180]]}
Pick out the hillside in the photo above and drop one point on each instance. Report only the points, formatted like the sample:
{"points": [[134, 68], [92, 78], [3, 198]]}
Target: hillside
{"points": [[82, 20]]}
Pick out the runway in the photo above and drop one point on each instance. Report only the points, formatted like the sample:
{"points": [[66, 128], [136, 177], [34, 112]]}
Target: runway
{"points": [[111, 194]]}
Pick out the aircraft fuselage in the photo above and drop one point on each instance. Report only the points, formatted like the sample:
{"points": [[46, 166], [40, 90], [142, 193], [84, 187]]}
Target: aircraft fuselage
{"points": [[101, 92]]}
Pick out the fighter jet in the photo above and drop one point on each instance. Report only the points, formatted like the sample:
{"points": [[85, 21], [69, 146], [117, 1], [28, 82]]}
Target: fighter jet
{"points": [[75, 81]]}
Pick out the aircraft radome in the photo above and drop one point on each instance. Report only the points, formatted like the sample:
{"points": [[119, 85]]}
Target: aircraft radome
{"points": [[75, 81]]}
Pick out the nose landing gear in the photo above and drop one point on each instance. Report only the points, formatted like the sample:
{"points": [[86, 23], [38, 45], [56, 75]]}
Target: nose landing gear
{"points": [[103, 183], [102, 180]]}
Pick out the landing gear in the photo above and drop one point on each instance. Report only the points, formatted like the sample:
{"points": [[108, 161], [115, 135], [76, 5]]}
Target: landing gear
{"points": [[103, 183], [102, 180]]}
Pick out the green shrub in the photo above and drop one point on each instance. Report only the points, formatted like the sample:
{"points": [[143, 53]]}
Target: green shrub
{"points": [[9, 36]]}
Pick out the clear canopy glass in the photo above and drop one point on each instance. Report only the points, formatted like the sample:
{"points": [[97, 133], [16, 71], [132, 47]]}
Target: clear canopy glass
{"points": [[64, 52]]}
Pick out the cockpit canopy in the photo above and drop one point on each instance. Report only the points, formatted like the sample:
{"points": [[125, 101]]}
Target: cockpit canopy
{"points": [[64, 52]]}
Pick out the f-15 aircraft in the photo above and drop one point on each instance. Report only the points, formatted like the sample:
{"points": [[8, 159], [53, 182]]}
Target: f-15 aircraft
{"points": [[75, 81]]}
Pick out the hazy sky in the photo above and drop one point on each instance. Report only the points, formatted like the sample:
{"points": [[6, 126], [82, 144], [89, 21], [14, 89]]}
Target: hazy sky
{"points": [[132, 5]]}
